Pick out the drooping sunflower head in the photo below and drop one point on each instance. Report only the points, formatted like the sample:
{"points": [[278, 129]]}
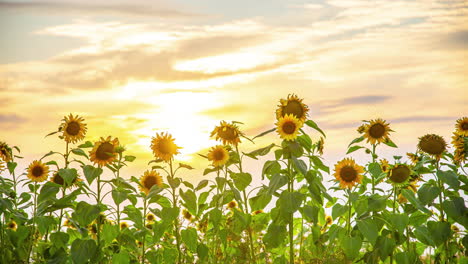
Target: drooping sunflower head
{"points": [[288, 127], [232, 204], [348, 173], [362, 128], [294, 106], [103, 152], [2, 165], [460, 143], [384, 165], [219, 155], [413, 157], [399, 174], [150, 179], [12, 225], [163, 146], [433, 145], [150, 217], [5, 152], [320, 145], [187, 215], [38, 171], [149, 225], [377, 131], [57, 179], [124, 225], [73, 128], [228, 134], [328, 220], [462, 126]]}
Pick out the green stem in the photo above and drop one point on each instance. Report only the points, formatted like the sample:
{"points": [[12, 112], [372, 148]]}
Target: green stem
{"points": [[63, 190], [176, 224], [373, 160], [144, 233], [118, 185], [33, 237], [394, 209], [291, 217], [349, 212], [98, 224]]}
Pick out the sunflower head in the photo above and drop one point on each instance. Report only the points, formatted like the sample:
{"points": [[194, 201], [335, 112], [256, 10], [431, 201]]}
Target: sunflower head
{"points": [[124, 225], [433, 145], [328, 220], [402, 199], [288, 127], [57, 179], [228, 134], [12, 225], [294, 106], [38, 171], [232, 204], [187, 215], [413, 157], [2, 165], [150, 217], [320, 145], [362, 128], [149, 225], [377, 131], [103, 152], [6, 152], [163, 146], [462, 126], [399, 174], [73, 128], [384, 165], [460, 143], [68, 223], [149, 179], [219, 155], [348, 173], [256, 212]]}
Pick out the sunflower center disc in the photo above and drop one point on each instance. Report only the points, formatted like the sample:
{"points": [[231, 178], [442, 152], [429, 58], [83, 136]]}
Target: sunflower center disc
{"points": [[348, 174], [377, 131], [58, 179], [464, 126], [73, 128], [432, 146], [400, 174], [218, 155], [37, 171], [227, 133], [104, 151], [165, 146], [150, 182], [289, 128], [294, 108]]}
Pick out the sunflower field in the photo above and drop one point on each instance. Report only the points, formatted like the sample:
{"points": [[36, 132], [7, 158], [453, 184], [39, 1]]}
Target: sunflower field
{"points": [[75, 206]]}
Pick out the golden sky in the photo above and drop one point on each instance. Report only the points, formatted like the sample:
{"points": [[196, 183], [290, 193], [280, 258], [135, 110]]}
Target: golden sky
{"points": [[134, 68]]}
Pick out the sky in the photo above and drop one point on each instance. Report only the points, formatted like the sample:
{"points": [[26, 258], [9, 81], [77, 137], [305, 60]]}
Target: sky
{"points": [[135, 68]]}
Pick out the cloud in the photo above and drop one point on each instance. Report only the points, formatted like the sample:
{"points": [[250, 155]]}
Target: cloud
{"points": [[94, 8]]}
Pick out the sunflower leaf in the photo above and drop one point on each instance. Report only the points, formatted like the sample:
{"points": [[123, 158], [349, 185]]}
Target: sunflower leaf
{"points": [[52, 133], [87, 144], [356, 140], [264, 133], [353, 148], [260, 152], [79, 152], [390, 143], [313, 125]]}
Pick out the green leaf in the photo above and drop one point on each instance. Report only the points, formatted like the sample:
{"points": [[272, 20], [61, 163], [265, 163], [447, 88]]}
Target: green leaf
{"points": [[260, 152], [68, 175], [48, 190], [390, 143], [313, 125], [91, 173], [338, 210], [356, 140], [261, 200], [189, 200], [399, 221], [169, 214], [456, 210], [353, 148], [305, 141], [264, 133], [109, 232], [270, 167], [276, 182], [45, 223], [368, 229], [310, 213], [428, 193], [241, 180], [121, 258], [190, 238], [377, 203], [275, 235], [450, 178], [129, 158], [118, 196], [422, 234], [290, 201], [82, 250], [375, 169], [202, 184], [319, 164], [87, 144], [202, 251], [59, 239], [85, 213], [170, 255], [299, 165], [407, 258], [408, 194], [351, 246], [79, 152], [440, 231], [385, 246]]}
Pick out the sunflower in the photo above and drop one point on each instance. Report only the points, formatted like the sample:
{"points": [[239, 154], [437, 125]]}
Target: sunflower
{"points": [[5, 152], [149, 179], [362, 128], [384, 165], [149, 225], [232, 204], [219, 155], [320, 145], [328, 220], [124, 225], [150, 217], [462, 126], [460, 143], [68, 224], [57, 179], [377, 131], [38, 171], [415, 158], [348, 173], [163, 146], [292, 106], [432, 144], [187, 215], [256, 212], [103, 151], [73, 128], [227, 133], [2, 166], [288, 127], [12, 225], [399, 174]]}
